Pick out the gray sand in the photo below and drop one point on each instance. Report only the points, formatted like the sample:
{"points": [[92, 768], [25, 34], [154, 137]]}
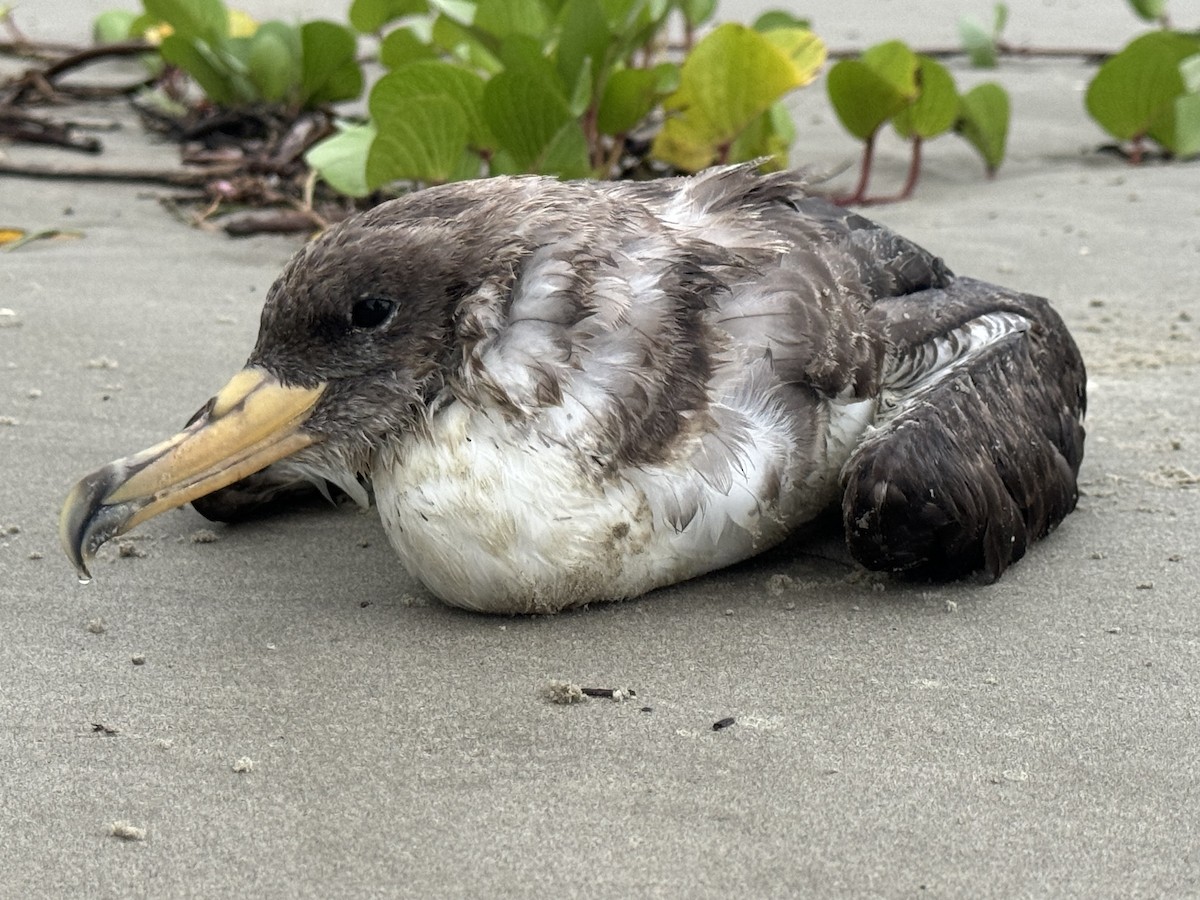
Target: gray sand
{"points": [[1036, 737]]}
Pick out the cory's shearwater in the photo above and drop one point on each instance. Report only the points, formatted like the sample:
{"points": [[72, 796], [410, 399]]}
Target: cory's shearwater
{"points": [[562, 393]]}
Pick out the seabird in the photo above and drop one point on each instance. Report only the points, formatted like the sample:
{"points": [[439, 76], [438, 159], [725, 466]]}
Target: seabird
{"points": [[569, 392]]}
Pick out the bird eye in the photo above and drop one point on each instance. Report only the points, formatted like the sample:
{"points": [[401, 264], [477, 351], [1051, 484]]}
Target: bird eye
{"points": [[370, 312]]}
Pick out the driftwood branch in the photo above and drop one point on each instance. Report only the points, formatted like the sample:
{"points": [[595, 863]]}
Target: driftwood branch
{"points": [[1086, 54], [21, 126], [45, 77], [172, 177]]}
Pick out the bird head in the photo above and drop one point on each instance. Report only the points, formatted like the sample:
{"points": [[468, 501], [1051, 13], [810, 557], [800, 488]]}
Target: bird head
{"points": [[356, 339]]}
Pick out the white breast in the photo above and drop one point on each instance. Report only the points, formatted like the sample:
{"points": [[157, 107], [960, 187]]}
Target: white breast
{"points": [[497, 517]]}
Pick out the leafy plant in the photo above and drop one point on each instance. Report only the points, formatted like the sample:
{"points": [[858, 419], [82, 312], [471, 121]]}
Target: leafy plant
{"points": [[1151, 89], [485, 87], [982, 44], [917, 94], [1151, 10], [238, 62]]}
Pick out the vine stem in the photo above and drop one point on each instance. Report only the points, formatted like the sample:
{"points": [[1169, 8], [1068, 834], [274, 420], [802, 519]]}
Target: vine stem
{"points": [[914, 170], [864, 174]]}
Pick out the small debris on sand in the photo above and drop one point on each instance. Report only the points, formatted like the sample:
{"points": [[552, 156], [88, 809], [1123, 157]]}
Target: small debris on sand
{"points": [[729, 612], [951, 606], [34, 393], [164, 743], [1145, 586], [9, 318], [244, 765], [205, 536], [617, 694], [130, 550], [722, 724], [106, 730], [1173, 476], [126, 831], [96, 627], [564, 692], [12, 529], [34, 554], [103, 362], [9, 421], [138, 660], [780, 584]]}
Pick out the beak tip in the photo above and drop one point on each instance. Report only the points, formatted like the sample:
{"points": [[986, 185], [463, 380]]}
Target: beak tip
{"points": [[86, 522]]}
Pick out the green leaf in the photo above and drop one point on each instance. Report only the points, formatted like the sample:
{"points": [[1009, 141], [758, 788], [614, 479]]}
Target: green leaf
{"points": [[401, 46], [778, 18], [629, 95], [635, 24], [502, 18], [566, 156], [341, 159], [1186, 137], [205, 20], [274, 61], [1176, 128], [936, 106], [983, 115], [113, 26], [1000, 19], [978, 42], [522, 53], [1189, 72], [463, 44], [330, 69], [1150, 10], [806, 51], [731, 77], [583, 35], [214, 79], [768, 137], [368, 16], [525, 109], [434, 78], [461, 11], [423, 140], [581, 94], [896, 64], [1136, 88], [697, 12], [862, 98]]}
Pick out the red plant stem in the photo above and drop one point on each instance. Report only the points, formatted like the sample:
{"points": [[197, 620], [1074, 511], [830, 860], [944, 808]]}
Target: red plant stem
{"points": [[1137, 150], [914, 170], [591, 134], [864, 171]]}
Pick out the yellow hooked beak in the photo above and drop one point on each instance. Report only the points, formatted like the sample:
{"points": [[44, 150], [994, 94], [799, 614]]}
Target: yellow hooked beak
{"points": [[253, 421]]}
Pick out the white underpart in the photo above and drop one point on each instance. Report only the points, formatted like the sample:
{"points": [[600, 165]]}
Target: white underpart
{"points": [[500, 517], [911, 378]]}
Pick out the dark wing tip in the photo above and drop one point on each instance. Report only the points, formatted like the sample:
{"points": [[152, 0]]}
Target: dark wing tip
{"points": [[981, 466]]}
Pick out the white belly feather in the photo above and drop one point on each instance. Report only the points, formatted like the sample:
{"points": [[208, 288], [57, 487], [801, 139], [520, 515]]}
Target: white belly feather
{"points": [[491, 516]]}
